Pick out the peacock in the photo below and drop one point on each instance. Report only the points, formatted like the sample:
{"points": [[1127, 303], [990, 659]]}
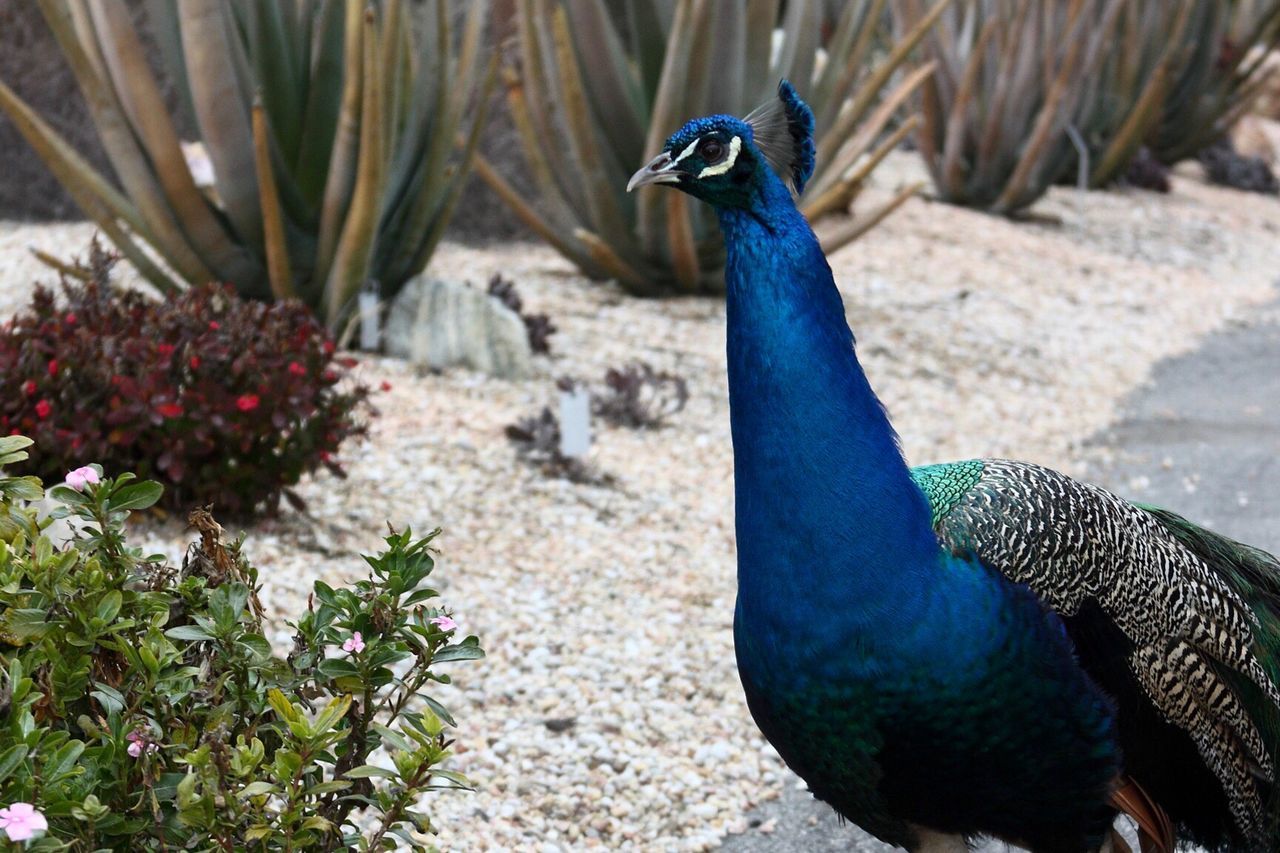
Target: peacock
{"points": [[980, 648]]}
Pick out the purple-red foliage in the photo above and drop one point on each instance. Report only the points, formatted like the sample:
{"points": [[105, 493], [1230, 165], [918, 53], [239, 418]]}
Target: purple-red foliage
{"points": [[227, 402]]}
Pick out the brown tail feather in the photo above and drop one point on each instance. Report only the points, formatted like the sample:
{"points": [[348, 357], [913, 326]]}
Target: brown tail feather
{"points": [[1155, 830]]}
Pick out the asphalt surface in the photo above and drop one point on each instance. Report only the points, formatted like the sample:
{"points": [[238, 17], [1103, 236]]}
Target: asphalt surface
{"points": [[1202, 438]]}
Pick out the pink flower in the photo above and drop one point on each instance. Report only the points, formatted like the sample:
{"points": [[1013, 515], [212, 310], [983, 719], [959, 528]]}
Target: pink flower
{"points": [[297, 369], [444, 623], [139, 744], [354, 643], [247, 402], [21, 821], [83, 476]]}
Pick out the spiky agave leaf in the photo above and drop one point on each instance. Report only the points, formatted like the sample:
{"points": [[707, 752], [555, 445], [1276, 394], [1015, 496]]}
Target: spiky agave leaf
{"points": [[339, 140], [655, 63], [1011, 77], [1226, 47]]}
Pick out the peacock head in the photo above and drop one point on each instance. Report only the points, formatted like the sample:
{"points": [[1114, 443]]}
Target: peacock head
{"points": [[725, 160]]}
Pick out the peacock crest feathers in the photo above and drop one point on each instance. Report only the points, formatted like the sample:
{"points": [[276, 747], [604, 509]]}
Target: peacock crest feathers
{"points": [[1202, 612], [782, 129]]}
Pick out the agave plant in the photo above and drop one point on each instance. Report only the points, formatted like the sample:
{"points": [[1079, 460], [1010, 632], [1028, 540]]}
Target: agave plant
{"points": [[1012, 78], [1121, 106], [331, 129], [1226, 48], [655, 63]]}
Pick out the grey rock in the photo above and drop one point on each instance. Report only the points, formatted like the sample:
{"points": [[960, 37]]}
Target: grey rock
{"points": [[441, 324]]}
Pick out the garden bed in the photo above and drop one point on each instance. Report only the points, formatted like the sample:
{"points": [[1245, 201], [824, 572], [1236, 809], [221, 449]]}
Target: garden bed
{"points": [[608, 709]]}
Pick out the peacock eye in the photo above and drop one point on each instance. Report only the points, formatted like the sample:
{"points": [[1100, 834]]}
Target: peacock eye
{"points": [[711, 150]]}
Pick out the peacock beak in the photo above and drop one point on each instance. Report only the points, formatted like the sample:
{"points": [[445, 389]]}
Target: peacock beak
{"points": [[659, 170]]}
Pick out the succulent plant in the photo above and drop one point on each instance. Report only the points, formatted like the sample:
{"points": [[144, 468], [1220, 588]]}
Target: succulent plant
{"points": [[1223, 70], [332, 132], [655, 63], [1011, 79]]}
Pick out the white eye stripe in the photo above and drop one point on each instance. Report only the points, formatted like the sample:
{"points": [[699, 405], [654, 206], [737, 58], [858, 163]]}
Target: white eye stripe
{"points": [[683, 154], [735, 145]]}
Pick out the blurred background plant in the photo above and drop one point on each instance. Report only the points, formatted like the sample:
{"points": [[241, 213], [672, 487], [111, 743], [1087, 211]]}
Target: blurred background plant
{"points": [[1028, 94], [331, 131], [599, 86], [145, 709], [227, 401], [1225, 67], [1010, 78]]}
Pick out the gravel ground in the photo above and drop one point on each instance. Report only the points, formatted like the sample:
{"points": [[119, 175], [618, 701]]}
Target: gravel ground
{"points": [[608, 712]]}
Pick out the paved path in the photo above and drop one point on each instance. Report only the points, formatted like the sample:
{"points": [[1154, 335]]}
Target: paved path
{"points": [[1203, 438]]}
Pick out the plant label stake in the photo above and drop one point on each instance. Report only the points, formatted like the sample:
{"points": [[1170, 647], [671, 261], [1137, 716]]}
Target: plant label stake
{"points": [[575, 422], [370, 334]]}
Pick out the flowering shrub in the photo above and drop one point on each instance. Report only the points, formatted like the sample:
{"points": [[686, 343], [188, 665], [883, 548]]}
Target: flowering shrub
{"points": [[225, 401], [143, 708]]}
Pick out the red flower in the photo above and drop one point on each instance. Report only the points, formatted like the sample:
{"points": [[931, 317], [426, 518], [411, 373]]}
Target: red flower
{"points": [[29, 387], [329, 376], [386, 386], [297, 369], [194, 362], [247, 402], [214, 325], [165, 350], [70, 319], [53, 367], [169, 410], [328, 347], [43, 409]]}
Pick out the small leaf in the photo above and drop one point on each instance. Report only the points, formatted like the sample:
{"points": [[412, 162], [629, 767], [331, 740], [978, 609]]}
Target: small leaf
{"points": [[366, 771], [10, 759], [283, 707], [136, 496], [257, 789], [109, 605], [193, 633]]}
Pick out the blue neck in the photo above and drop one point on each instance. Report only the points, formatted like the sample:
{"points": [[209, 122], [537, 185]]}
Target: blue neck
{"points": [[833, 535]]}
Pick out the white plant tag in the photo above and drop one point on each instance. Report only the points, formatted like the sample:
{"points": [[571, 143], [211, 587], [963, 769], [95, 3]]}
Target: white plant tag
{"points": [[370, 334], [575, 423]]}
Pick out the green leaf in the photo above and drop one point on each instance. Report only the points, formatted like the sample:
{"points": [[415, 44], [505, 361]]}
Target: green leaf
{"points": [[328, 788], [24, 623], [11, 447], [136, 496], [109, 605], [392, 737], [452, 776], [336, 668], [257, 645], [193, 633], [283, 707], [332, 713], [459, 651], [10, 759], [257, 789], [366, 771]]}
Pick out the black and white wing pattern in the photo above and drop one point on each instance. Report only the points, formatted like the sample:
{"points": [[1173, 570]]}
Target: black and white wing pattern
{"points": [[1180, 625]]}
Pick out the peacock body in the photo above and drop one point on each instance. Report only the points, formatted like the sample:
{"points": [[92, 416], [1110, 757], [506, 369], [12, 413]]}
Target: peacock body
{"points": [[981, 648]]}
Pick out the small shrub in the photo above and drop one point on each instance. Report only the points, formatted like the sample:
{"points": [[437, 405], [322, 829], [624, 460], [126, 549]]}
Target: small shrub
{"points": [[144, 709], [537, 441], [228, 402], [539, 326], [638, 397], [1224, 165]]}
